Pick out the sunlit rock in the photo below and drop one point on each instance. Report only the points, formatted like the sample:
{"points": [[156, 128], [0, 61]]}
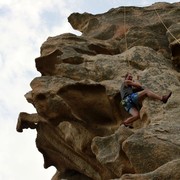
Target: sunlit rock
{"points": [[77, 99]]}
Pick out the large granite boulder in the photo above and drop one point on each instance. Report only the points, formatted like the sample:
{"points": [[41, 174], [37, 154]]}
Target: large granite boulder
{"points": [[77, 99]]}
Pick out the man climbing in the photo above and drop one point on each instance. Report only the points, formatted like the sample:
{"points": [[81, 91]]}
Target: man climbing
{"points": [[132, 95]]}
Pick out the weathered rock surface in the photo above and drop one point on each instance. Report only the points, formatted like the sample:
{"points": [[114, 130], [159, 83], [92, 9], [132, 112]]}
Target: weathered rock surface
{"points": [[167, 171], [78, 102]]}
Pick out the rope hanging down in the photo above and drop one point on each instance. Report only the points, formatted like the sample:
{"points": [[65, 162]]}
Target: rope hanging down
{"points": [[166, 26], [125, 35], [125, 28]]}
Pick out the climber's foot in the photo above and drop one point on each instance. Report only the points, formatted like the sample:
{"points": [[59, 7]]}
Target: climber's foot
{"points": [[128, 125], [165, 98]]}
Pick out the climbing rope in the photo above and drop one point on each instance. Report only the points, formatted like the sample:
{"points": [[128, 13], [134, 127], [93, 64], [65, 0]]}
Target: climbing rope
{"points": [[166, 26], [125, 28], [125, 37], [126, 45]]}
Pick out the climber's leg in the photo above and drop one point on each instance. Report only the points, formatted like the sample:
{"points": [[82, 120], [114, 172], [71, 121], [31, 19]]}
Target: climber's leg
{"points": [[135, 116], [148, 93]]}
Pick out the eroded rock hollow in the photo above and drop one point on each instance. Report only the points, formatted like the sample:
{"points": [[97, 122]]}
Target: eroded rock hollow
{"points": [[77, 96]]}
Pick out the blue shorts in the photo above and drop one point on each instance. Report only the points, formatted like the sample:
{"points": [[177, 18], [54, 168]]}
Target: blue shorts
{"points": [[131, 101]]}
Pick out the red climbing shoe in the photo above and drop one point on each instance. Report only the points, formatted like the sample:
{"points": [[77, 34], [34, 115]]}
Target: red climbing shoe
{"points": [[165, 98]]}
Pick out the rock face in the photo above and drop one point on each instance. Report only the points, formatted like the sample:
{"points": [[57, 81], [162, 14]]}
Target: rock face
{"points": [[78, 102]]}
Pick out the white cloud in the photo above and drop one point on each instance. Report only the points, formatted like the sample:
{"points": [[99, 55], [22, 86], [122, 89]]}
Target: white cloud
{"points": [[20, 158], [23, 30], [24, 26]]}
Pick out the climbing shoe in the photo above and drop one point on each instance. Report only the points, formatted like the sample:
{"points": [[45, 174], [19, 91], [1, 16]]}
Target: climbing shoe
{"points": [[128, 125], [165, 98]]}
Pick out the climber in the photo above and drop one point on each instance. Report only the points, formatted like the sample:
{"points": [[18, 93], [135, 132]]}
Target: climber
{"points": [[132, 95]]}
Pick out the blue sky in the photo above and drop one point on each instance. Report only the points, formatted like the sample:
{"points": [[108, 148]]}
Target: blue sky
{"points": [[24, 26]]}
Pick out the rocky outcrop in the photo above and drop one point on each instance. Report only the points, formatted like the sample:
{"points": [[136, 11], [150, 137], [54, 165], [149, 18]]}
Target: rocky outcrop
{"points": [[79, 114], [166, 171]]}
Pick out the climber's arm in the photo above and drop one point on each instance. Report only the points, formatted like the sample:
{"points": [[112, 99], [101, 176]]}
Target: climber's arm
{"points": [[132, 83]]}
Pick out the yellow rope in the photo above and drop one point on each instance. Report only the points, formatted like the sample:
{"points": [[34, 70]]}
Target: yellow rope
{"points": [[126, 44], [125, 28], [166, 26], [125, 34]]}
